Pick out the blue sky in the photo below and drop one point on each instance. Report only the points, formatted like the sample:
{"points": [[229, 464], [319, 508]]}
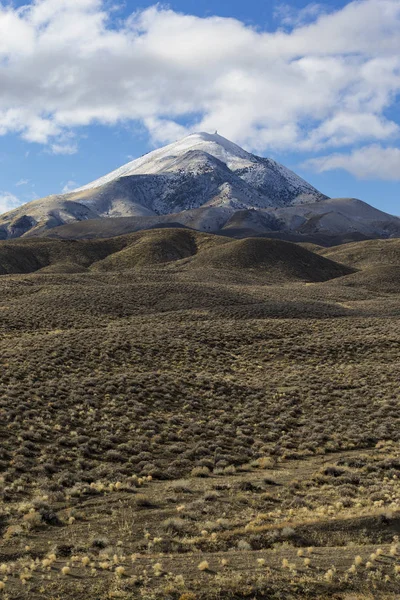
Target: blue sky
{"points": [[89, 85]]}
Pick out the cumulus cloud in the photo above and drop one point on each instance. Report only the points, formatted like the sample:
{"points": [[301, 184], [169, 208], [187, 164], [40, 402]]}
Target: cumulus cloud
{"points": [[370, 162], [328, 81], [8, 201]]}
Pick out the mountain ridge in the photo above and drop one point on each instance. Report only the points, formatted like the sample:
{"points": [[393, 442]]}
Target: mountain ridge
{"points": [[202, 181]]}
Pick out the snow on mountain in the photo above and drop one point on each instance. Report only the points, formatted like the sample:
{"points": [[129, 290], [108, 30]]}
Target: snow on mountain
{"points": [[200, 181], [202, 169], [338, 215], [191, 156], [163, 159]]}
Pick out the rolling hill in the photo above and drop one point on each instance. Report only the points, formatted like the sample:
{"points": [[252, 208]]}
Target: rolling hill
{"points": [[184, 249], [368, 253]]}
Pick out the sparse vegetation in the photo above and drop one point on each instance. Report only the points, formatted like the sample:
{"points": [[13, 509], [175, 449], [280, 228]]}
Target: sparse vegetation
{"points": [[156, 419]]}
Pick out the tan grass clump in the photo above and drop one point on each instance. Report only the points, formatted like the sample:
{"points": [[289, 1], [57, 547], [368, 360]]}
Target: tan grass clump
{"points": [[329, 575]]}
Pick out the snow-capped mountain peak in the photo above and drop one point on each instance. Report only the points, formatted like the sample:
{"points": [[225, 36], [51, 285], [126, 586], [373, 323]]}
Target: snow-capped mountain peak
{"points": [[160, 160], [203, 171]]}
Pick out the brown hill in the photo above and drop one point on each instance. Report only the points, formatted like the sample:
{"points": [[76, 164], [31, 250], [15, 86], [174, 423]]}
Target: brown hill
{"points": [[157, 247], [30, 255], [281, 260], [368, 253], [142, 249], [185, 249], [382, 279]]}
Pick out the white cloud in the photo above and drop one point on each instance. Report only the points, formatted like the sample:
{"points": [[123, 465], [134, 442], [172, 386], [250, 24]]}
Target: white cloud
{"points": [[69, 186], [370, 162], [289, 15], [8, 201], [343, 129], [165, 130], [64, 148], [22, 182], [325, 83]]}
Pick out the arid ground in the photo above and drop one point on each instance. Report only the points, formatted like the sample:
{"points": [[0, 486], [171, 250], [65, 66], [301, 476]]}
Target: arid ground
{"points": [[190, 417]]}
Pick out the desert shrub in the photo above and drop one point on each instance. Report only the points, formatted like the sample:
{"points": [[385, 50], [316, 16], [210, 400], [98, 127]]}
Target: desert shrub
{"points": [[144, 501], [200, 472], [176, 526]]}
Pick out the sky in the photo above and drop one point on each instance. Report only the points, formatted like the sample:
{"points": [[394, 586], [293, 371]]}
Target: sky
{"points": [[88, 85]]}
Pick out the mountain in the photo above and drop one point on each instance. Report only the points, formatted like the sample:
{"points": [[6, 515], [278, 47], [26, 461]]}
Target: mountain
{"points": [[339, 215], [203, 170], [204, 182], [199, 171], [327, 223]]}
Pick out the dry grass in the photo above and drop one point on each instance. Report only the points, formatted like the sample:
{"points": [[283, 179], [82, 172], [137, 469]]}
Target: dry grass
{"points": [[155, 420]]}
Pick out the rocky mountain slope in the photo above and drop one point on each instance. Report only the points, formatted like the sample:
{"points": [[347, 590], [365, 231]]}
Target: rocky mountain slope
{"points": [[201, 170], [204, 169], [204, 182], [329, 222]]}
